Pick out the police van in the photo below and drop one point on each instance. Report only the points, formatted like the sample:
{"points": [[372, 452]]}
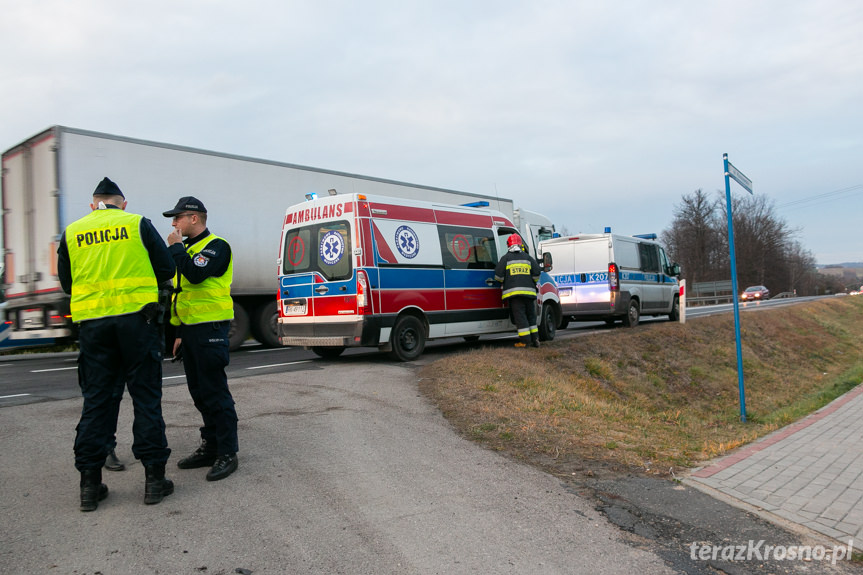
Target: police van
{"points": [[613, 277], [376, 271]]}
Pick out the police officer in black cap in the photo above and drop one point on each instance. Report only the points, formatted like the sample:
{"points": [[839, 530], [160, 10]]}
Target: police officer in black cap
{"points": [[112, 262], [202, 310]]}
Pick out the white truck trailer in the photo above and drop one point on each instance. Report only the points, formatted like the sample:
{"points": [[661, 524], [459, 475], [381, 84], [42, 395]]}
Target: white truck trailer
{"points": [[48, 179]]}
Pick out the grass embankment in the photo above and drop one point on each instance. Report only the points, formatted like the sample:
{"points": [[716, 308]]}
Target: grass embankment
{"points": [[654, 399]]}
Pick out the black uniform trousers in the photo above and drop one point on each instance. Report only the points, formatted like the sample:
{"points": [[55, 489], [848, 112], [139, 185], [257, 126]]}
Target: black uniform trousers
{"points": [[523, 309], [117, 351], [205, 356]]}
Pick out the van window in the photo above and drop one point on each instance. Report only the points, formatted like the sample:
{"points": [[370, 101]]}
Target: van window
{"points": [[649, 258], [324, 248], [467, 248], [626, 253], [663, 262]]}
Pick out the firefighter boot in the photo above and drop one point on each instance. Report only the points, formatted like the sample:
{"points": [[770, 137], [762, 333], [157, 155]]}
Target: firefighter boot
{"points": [[156, 486], [92, 489]]}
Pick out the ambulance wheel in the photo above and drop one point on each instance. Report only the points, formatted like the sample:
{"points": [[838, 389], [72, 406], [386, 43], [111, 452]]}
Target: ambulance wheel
{"points": [[239, 330], [328, 352], [265, 324], [631, 318], [547, 323], [675, 310], [408, 338]]}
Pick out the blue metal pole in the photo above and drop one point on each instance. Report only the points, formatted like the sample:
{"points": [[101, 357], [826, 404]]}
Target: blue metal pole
{"points": [[741, 388]]}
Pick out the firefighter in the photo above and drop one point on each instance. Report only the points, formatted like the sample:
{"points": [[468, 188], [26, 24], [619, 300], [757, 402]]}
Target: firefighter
{"points": [[519, 273], [112, 262]]}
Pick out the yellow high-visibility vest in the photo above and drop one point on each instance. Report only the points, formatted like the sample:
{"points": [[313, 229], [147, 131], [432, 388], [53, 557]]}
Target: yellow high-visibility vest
{"points": [[209, 300], [111, 269]]}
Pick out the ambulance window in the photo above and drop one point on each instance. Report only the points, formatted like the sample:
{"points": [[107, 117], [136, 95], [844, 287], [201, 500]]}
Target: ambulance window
{"points": [[467, 248], [324, 248]]}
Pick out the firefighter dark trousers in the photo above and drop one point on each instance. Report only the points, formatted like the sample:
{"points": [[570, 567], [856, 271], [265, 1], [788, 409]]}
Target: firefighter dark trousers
{"points": [[120, 350], [523, 310], [205, 357]]}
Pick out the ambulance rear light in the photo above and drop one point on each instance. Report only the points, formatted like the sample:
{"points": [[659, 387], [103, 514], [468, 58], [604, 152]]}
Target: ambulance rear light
{"points": [[362, 293], [613, 277]]}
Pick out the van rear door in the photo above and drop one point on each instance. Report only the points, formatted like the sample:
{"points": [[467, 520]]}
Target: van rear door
{"points": [[318, 279]]}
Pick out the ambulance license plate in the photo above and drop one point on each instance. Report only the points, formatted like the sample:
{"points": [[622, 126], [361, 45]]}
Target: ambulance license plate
{"points": [[294, 307]]}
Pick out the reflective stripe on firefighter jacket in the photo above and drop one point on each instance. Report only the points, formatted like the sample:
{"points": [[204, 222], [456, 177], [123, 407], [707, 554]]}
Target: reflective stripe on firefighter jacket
{"points": [[519, 273], [111, 269], [209, 300]]}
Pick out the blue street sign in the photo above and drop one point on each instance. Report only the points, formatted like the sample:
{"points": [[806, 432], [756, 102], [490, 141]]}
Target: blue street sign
{"points": [[739, 177]]}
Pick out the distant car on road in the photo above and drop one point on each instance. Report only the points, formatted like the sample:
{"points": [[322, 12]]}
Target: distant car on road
{"points": [[754, 293]]}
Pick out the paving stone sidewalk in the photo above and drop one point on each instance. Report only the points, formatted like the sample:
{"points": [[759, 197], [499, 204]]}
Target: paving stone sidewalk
{"points": [[809, 473]]}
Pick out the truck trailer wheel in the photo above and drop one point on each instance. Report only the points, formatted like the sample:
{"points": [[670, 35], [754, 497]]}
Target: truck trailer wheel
{"points": [[408, 338], [239, 330], [265, 324]]}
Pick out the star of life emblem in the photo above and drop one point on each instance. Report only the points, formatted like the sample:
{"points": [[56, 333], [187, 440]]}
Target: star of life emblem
{"points": [[332, 248], [407, 242]]}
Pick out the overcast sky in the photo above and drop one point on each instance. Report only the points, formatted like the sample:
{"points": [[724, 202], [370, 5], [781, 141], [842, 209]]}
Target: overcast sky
{"points": [[593, 113]]}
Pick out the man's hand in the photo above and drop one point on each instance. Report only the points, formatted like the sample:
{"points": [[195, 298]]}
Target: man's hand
{"points": [[175, 237]]}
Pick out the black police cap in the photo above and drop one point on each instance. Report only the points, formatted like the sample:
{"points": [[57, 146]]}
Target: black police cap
{"points": [[186, 204], [108, 188]]}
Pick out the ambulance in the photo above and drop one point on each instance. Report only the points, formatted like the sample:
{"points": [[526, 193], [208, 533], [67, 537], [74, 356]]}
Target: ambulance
{"points": [[611, 277], [360, 270]]}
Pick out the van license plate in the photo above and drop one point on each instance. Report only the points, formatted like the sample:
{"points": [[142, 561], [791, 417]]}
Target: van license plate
{"points": [[294, 308]]}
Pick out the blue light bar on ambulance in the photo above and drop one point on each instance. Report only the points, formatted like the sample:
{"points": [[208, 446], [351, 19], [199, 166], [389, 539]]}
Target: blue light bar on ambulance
{"points": [[481, 204]]}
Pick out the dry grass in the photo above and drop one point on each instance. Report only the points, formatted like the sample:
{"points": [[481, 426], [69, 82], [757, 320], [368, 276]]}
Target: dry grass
{"points": [[655, 399]]}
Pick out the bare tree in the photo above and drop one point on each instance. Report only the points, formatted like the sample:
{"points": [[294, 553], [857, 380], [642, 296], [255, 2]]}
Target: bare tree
{"points": [[766, 251]]}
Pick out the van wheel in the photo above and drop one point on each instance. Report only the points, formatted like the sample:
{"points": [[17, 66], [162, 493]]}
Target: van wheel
{"points": [[548, 323], [675, 310], [239, 330], [631, 318], [408, 338], [328, 352], [265, 324]]}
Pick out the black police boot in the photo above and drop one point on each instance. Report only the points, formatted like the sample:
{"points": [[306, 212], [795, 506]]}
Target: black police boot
{"points": [[204, 456], [224, 466], [112, 463], [156, 486], [92, 489]]}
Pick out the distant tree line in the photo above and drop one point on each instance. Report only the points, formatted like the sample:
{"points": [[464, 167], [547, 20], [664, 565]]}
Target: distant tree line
{"points": [[768, 252]]}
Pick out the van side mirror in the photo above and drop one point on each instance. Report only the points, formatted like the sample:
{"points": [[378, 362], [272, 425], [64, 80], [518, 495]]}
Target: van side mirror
{"points": [[546, 262], [675, 269]]}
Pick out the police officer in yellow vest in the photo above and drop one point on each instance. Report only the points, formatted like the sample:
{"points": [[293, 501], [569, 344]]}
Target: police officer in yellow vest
{"points": [[112, 262], [202, 310]]}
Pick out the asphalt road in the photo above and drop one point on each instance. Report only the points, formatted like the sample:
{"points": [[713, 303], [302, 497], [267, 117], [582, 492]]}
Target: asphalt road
{"points": [[345, 468]]}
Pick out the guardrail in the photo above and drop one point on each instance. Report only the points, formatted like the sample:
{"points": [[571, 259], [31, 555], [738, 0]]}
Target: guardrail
{"points": [[710, 293]]}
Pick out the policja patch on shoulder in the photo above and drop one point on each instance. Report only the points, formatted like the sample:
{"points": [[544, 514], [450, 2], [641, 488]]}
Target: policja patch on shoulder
{"points": [[200, 260]]}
